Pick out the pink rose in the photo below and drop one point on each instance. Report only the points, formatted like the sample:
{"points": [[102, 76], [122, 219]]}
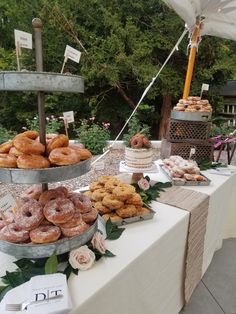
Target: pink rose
{"points": [[82, 258], [98, 242], [143, 184]]}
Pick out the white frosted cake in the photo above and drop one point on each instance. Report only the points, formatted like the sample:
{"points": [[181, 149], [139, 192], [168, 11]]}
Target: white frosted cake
{"points": [[138, 157]]}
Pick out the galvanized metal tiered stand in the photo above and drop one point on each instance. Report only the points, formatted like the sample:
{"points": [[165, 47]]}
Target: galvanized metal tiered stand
{"points": [[41, 82]]}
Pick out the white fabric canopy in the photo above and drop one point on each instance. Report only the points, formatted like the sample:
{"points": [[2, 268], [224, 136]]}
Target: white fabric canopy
{"points": [[218, 16]]}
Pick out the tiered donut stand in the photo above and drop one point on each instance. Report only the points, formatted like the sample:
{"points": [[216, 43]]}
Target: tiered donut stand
{"points": [[40, 82]]}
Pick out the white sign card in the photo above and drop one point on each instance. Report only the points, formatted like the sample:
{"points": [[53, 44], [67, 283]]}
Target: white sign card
{"points": [[23, 39], [69, 116], [204, 87], [72, 54], [100, 165], [7, 202]]}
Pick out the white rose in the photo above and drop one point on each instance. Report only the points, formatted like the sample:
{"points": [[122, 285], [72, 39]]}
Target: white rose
{"points": [[82, 258], [98, 242], [143, 184]]}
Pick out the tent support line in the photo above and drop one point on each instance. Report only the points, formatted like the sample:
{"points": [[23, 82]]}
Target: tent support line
{"points": [[192, 57], [143, 95]]}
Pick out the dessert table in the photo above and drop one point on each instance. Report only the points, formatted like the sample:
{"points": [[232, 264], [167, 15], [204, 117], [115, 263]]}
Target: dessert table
{"points": [[147, 274]]}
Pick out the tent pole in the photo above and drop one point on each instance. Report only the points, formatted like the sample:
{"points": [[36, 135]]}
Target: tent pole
{"points": [[191, 60]]}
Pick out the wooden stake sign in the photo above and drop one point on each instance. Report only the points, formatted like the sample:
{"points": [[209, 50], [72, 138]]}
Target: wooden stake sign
{"points": [[70, 53], [68, 118], [22, 40]]}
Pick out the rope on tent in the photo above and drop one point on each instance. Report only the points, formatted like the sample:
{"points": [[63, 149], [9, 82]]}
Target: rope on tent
{"points": [[143, 95]]}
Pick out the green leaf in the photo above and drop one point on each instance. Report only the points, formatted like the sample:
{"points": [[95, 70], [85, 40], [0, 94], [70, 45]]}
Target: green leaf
{"points": [[109, 254], [14, 278], [51, 265], [3, 291], [113, 232], [67, 271]]}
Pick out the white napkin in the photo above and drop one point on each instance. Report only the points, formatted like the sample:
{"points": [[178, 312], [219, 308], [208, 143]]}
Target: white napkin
{"points": [[40, 285]]}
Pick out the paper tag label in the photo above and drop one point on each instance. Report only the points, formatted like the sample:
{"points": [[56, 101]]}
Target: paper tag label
{"points": [[192, 151], [7, 202], [205, 86], [100, 165], [69, 116], [72, 54], [23, 39]]}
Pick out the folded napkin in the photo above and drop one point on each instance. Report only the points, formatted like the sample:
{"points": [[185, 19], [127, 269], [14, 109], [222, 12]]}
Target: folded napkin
{"points": [[39, 288]]}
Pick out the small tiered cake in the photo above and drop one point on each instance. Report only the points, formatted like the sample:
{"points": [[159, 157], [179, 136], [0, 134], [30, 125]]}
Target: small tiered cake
{"points": [[140, 152]]}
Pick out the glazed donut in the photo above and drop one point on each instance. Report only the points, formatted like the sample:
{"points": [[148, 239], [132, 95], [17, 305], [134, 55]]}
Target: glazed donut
{"points": [[6, 218], [49, 137], [63, 156], [59, 211], [81, 202], [45, 234], [101, 208], [124, 191], [28, 146], [14, 234], [99, 194], [29, 215], [73, 222], [60, 140], [83, 153], [50, 195], [30, 134], [63, 191], [5, 147], [90, 216], [33, 191], [71, 232], [112, 202], [32, 162], [127, 211], [15, 152], [7, 161], [76, 146]]}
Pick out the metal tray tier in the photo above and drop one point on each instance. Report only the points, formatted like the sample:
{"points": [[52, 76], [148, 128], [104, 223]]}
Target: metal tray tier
{"points": [[41, 81], [45, 250], [190, 116], [46, 175]]}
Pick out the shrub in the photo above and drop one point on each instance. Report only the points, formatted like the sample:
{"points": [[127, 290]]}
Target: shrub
{"points": [[53, 124]]}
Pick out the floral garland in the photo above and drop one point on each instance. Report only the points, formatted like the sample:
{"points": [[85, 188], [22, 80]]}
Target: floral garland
{"points": [[81, 258]]}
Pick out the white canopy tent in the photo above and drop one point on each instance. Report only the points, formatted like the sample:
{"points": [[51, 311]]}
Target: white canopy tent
{"points": [[205, 17]]}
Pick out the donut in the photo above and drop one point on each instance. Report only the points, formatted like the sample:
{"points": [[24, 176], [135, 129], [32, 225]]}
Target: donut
{"points": [[81, 202], [32, 162], [59, 211], [30, 134], [29, 215], [127, 211], [7, 161], [73, 222], [112, 202], [101, 208], [21, 201], [62, 190], [136, 141], [28, 146], [63, 156], [34, 191], [99, 194], [95, 186], [71, 232], [135, 199], [90, 216], [6, 218], [5, 147], [60, 140], [15, 152], [88, 193], [105, 179], [124, 191], [45, 234], [83, 152], [76, 146], [50, 195], [14, 234], [110, 185], [49, 137]]}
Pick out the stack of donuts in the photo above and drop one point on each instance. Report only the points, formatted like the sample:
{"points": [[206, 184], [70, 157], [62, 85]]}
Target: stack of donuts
{"points": [[182, 170], [44, 217], [115, 200], [26, 152], [193, 104], [139, 141]]}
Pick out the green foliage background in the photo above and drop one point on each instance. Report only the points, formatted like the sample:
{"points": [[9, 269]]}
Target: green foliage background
{"points": [[125, 45]]}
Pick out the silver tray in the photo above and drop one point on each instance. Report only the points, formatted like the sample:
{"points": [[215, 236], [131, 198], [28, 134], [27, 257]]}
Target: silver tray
{"points": [[190, 116], [130, 220], [46, 175], [186, 183], [45, 250], [41, 81]]}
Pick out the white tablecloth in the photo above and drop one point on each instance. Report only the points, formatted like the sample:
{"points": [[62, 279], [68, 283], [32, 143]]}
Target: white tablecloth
{"points": [[146, 276]]}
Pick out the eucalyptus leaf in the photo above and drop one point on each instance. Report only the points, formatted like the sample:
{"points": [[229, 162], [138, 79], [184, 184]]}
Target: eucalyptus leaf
{"points": [[109, 254], [51, 265]]}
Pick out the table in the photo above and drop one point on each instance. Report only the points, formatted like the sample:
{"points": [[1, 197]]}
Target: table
{"points": [[147, 273]]}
